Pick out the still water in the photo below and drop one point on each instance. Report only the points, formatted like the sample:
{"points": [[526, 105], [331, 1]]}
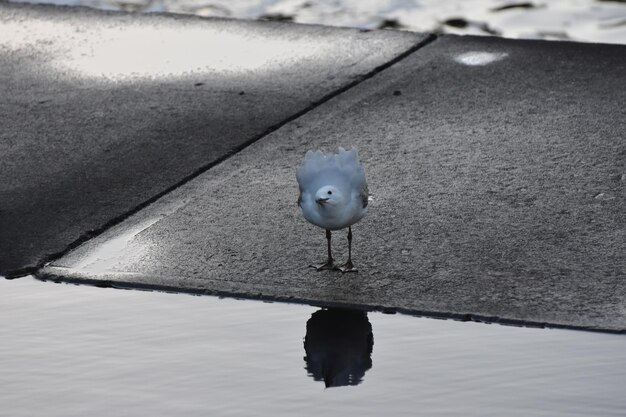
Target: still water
{"points": [[575, 20], [83, 351]]}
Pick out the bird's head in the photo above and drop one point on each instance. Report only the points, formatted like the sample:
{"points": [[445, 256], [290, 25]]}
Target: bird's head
{"points": [[328, 196]]}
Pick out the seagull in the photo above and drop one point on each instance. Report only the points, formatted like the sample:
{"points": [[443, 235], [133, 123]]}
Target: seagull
{"points": [[333, 196]]}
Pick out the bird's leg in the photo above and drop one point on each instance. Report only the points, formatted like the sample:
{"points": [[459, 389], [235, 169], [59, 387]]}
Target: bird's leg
{"points": [[348, 266], [330, 263]]}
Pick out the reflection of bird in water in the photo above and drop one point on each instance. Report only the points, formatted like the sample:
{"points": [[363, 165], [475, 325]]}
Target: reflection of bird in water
{"points": [[338, 346]]}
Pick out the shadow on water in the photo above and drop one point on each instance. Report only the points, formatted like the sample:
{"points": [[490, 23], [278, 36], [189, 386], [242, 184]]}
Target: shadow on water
{"points": [[338, 346]]}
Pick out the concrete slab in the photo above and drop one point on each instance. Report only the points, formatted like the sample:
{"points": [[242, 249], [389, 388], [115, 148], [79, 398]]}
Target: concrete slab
{"points": [[498, 174], [101, 112]]}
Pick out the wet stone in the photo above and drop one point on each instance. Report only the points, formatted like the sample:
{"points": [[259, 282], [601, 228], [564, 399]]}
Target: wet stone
{"points": [[91, 133], [429, 158]]}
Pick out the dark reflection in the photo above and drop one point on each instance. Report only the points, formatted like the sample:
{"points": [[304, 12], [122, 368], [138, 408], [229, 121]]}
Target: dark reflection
{"points": [[338, 346]]}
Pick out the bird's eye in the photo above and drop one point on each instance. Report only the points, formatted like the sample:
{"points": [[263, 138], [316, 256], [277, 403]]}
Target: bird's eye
{"points": [[330, 192]]}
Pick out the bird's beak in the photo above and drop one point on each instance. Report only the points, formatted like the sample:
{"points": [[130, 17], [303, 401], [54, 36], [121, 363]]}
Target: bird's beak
{"points": [[321, 201]]}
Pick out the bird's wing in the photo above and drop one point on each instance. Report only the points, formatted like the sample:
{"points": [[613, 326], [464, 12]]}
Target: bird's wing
{"points": [[342, 170], [364, 194], [316, 171], [309, 169], [354, 171]]}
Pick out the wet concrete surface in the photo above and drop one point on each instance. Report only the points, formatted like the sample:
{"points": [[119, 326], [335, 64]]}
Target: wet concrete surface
{"points": [[102, 112], [497, 170]]}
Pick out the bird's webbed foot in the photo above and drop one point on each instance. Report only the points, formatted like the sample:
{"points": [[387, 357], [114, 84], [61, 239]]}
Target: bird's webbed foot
{"points": [[347, 267], [329, 265]]}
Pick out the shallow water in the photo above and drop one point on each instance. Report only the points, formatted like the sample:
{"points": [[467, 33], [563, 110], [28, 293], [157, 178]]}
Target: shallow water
{"points": [[75, 350], [577, 20]]}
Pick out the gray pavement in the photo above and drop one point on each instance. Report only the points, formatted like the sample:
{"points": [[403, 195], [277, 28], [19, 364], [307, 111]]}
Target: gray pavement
{"points": [[498, 174], [103, 112]]}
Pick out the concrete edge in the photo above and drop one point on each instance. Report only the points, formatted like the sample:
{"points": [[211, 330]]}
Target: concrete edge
{"points": [[64, 8], [69, 276]]}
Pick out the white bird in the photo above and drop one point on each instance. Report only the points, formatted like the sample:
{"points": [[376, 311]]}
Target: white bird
{"points": [[333, 196]]}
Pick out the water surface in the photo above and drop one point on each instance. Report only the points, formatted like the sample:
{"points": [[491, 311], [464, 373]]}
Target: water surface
{"points": [[75, 350], [576, 20]]}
